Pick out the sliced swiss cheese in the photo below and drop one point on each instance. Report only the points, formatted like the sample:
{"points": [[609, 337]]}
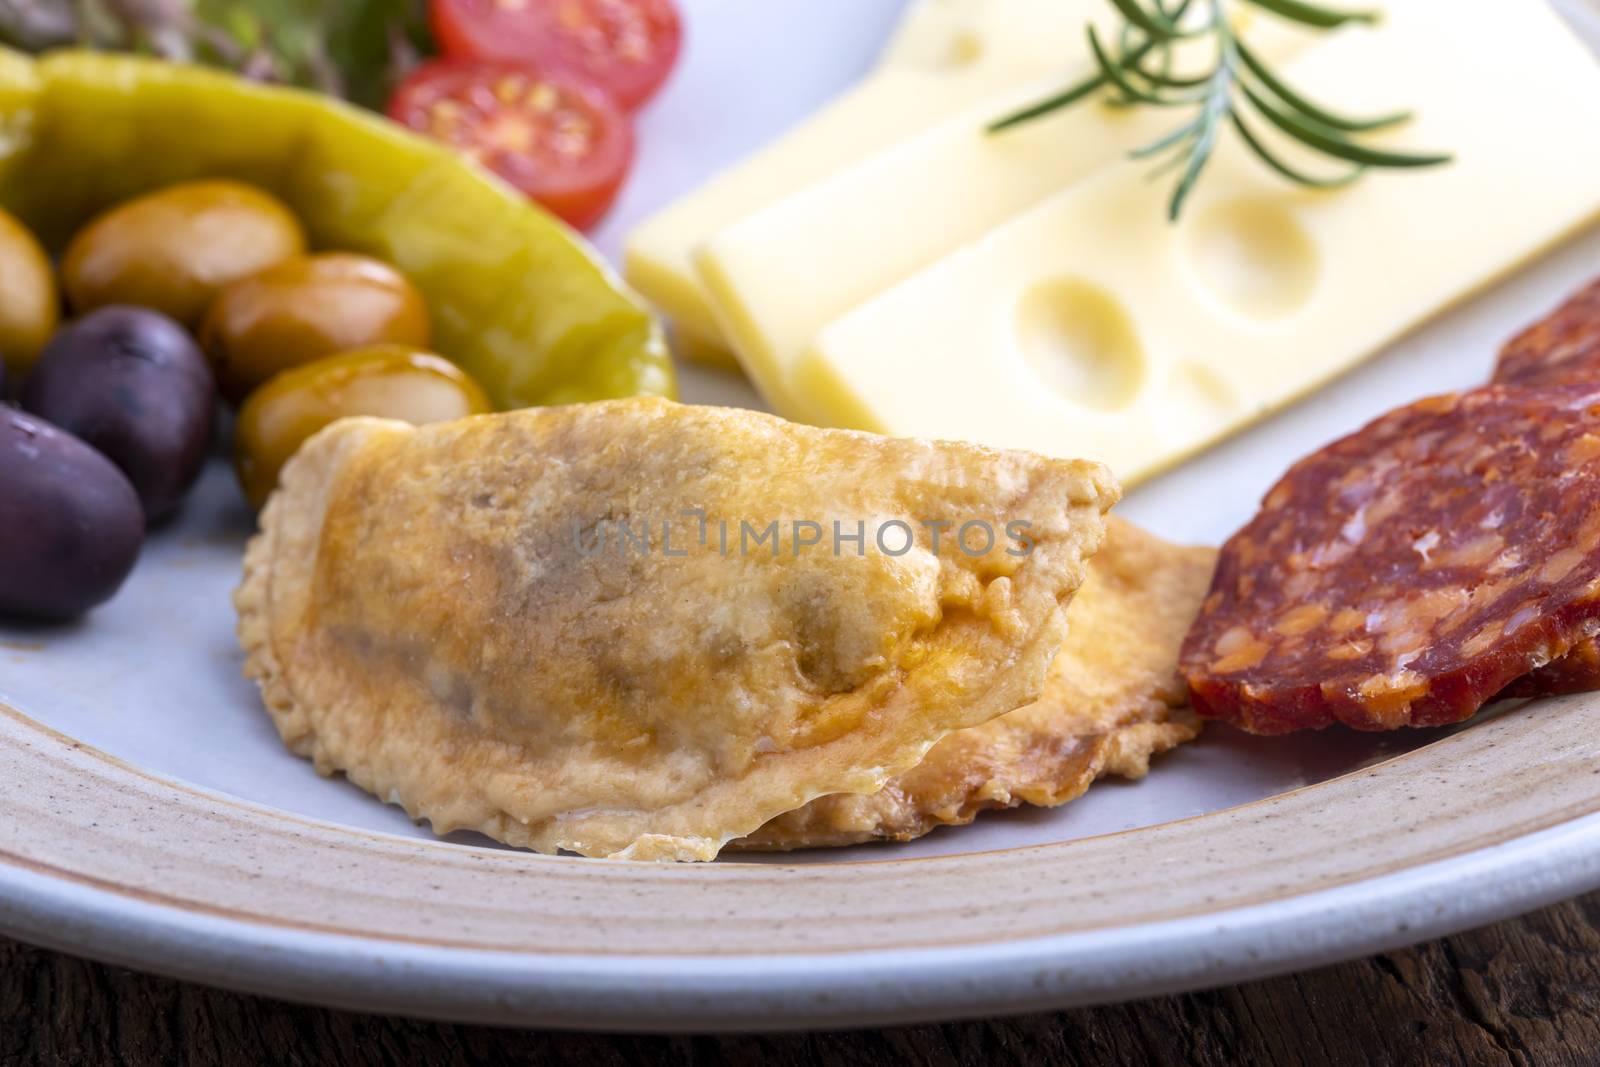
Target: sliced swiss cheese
{"points": [[1091, 326], [947, 55], [779, 275]]}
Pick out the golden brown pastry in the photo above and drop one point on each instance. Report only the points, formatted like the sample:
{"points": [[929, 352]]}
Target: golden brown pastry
{"points": [[1112, 700], [425, 610]]}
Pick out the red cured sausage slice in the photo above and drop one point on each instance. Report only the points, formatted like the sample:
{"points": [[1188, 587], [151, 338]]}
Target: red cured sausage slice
{"points": [[1576, 672], [1563, 348], [1406, 574]]}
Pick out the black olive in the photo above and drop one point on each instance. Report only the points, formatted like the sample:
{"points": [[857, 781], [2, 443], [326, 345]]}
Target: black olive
{"points": [[133, 384], [70, 522]]}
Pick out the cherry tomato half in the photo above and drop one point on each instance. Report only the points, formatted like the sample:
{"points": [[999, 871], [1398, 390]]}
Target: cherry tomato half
{"points": [[626, 47], [563, 143]]}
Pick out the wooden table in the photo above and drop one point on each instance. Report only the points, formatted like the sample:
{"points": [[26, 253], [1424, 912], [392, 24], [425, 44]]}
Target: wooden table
{"points": [[1521, 992]]}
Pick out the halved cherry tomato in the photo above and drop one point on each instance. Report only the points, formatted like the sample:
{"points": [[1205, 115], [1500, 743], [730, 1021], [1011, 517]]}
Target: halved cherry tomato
{"points": [[626, 47], [563, 143]]}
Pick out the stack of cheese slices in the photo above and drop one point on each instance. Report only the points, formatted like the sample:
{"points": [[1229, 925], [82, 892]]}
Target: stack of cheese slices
{"points": [[891, 265]]}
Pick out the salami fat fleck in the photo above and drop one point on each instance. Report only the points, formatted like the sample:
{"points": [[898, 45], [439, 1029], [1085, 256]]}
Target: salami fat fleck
{"points": [[1561, 349], [1408, 573]]}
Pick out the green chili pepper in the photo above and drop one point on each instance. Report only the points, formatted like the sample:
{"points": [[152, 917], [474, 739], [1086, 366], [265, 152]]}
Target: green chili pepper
{"points": [[517, 299]]}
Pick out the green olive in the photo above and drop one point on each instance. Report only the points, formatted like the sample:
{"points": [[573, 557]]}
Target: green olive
{"points": [[306, 308], [174, 249], [30, 307], [392, 381]]}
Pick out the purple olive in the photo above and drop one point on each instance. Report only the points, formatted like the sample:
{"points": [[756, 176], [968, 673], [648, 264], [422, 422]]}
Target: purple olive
{"points": [[70, 522], [133, 384]]}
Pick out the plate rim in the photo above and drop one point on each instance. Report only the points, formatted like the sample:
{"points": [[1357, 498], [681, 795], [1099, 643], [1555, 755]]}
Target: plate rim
{"points": [[755, 991], [769, 994]]}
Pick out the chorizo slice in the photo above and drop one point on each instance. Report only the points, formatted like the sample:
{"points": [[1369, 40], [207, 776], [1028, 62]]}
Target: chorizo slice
{"points": [[1408, 573], [1563, 348], [1576, 672]]}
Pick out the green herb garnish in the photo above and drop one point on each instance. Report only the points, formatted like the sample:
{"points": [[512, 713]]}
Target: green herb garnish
{"points": [[1137, 71]]}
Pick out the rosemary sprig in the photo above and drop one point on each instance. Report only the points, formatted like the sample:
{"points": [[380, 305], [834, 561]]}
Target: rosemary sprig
{"points": [[1137, 71]]}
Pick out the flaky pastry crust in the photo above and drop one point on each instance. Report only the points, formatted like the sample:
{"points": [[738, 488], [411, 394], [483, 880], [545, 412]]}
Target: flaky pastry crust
{"points": [[422, 615], [1112, 700]]}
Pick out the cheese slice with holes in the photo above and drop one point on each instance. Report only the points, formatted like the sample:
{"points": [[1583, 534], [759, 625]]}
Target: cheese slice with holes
{"points": [[946, 55], [1091, 326], [779, 275]]}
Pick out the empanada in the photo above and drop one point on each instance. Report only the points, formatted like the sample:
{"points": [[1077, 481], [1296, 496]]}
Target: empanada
{"points": [[1112, 700], [426, 611]]}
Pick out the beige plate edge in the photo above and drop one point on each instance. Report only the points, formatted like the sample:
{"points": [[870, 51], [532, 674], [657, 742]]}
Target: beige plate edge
{"points": [[104, 859]]}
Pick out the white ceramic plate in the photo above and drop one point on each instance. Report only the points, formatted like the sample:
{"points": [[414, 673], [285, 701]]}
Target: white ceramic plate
{"points": [[151, 817]]}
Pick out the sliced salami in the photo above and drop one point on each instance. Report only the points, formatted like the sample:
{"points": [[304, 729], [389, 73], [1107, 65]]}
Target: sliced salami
{"points": [[1407, 574], [1576, 672], [1563, 348]]}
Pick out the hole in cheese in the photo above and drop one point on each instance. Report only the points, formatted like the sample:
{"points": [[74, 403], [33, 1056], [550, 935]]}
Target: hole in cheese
{"points": [[951, 50], [1196, 403], [1253, 257], [1080, 342]]}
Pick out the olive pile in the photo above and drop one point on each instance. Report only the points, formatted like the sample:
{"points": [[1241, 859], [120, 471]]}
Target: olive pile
{"points": [[194, 290]]}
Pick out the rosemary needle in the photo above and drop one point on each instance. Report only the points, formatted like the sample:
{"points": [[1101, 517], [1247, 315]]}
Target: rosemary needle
{"points": [[1240, 81]]}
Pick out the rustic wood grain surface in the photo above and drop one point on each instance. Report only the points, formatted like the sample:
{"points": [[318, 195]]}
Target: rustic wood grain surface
{"points": [[1520, 992]]}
